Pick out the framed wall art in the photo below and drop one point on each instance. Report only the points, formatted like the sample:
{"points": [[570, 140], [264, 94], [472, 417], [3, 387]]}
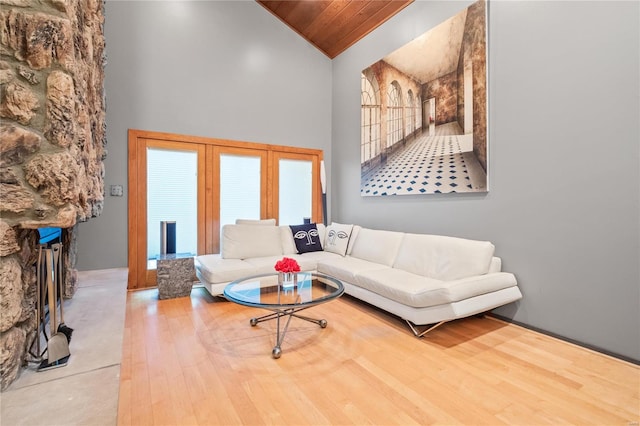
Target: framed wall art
{"points": [[424, 112]]}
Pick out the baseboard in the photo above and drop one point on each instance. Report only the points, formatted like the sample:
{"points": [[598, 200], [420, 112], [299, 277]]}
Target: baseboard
{"points": [[565, 339]]}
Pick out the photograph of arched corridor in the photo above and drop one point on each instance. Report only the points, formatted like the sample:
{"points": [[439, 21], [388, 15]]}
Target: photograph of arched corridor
{"points": [[424, 112]]}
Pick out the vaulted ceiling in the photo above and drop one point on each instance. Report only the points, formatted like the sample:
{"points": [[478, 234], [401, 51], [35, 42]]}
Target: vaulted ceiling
{"points": [[334, 25]]}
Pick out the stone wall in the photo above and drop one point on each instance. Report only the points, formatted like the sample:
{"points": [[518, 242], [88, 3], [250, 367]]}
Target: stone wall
{"points": [[52, 147]]}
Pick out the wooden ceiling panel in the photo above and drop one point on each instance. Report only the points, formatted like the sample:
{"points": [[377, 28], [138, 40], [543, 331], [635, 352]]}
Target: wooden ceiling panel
{"points": [[355, 26], [352, 16], [320, 23], [305, 14], [334, 25]]}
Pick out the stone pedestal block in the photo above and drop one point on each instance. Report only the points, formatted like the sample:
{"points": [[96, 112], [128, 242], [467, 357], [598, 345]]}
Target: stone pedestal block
{"points": [[175, 276]]}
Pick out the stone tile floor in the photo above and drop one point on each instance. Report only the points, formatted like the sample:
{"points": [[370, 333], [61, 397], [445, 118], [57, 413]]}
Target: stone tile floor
{"points": [[85, 391]]}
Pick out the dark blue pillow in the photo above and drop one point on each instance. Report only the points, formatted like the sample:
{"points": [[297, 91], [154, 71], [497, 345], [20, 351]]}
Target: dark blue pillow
{"points": [[306, 238]]}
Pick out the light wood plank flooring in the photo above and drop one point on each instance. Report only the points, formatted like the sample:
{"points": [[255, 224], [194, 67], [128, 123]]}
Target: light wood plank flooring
{"points": [[197, 361]]}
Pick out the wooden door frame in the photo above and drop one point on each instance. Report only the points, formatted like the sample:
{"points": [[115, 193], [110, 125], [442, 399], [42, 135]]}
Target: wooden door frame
{"points": [[213, 244], [209, 150], [316, 191], [138, 210]]}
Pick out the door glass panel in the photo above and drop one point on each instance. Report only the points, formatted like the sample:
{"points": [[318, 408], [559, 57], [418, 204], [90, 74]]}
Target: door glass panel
{"points": [[294, 191], [239, 188], [172, 195]]}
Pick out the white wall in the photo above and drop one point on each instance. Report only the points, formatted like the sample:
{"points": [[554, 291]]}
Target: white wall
{"points": [[563, 207], [223, 69]]}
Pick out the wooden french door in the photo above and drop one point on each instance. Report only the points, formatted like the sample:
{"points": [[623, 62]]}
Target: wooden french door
{"points": [[282, 197], [216, 156], [140, 268], [210, 153]]}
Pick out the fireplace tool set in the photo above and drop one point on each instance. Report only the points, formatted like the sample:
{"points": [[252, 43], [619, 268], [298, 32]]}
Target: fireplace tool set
{"points": [[50, 288]]}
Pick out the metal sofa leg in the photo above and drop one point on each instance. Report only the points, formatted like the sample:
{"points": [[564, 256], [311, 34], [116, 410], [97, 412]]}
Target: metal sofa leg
{"points": [[428, 329]]}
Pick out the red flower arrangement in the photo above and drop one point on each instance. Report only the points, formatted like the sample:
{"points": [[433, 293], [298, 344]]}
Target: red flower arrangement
{"points": [[287, 264]]}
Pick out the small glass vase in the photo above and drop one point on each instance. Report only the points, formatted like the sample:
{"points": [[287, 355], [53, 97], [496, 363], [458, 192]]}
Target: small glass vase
{"points": [[287, 280]]}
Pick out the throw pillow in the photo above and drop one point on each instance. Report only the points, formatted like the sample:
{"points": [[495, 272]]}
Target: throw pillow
{"points": [[306, 237], [337, 239]]}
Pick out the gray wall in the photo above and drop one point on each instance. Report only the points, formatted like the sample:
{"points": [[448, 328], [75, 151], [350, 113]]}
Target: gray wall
{"points": [[215, 69], [564, 161], [563, 206]]}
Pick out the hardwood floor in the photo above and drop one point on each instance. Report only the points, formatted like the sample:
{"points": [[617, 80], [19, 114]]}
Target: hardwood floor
{"points": [[197, 361]]}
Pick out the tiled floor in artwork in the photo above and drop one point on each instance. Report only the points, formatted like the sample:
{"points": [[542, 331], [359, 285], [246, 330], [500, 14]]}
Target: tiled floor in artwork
{"points": [[440, 163]]}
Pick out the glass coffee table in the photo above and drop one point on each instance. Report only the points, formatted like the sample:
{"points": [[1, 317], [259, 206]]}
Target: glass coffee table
{"points": [[263, 291]]}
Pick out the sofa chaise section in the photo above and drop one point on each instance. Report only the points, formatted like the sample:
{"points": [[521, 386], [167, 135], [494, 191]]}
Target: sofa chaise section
{"points": [[424, 279]]}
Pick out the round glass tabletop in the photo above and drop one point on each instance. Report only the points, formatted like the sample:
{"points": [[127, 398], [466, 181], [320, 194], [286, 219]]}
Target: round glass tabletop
{"points": [[264, 291]]}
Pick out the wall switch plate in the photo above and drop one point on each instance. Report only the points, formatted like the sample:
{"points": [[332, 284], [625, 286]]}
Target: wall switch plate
{"points": [[117, 191]]}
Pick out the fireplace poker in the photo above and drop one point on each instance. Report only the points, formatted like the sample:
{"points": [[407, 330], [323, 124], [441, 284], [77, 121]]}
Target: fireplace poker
{"points": [[57, 345], [57, 256]]}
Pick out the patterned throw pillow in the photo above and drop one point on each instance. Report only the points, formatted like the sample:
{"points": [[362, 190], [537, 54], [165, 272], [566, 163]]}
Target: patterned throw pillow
{"points": [[337, 238], [306, 237]]}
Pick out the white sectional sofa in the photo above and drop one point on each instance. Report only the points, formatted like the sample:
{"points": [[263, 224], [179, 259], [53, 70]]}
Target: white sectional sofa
{"points": [[424, 279]]}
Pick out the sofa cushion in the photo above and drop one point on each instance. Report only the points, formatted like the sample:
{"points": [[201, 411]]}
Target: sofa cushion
{"points": [[322, 232], [418, 291], [352, 240], [377, 246], [267, 222], [495, 265], [266, 265], [317, 256], [307, 261], [286, 238], [346, 268], [404, 287], [245, 241], [263, 265], [337, 238], [306, 238], [214, 269], [443, 258]]}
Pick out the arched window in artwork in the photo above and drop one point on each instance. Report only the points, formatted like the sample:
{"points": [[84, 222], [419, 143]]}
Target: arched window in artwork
{"points": [[410, 114], [369, 117], [394, 114]]}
